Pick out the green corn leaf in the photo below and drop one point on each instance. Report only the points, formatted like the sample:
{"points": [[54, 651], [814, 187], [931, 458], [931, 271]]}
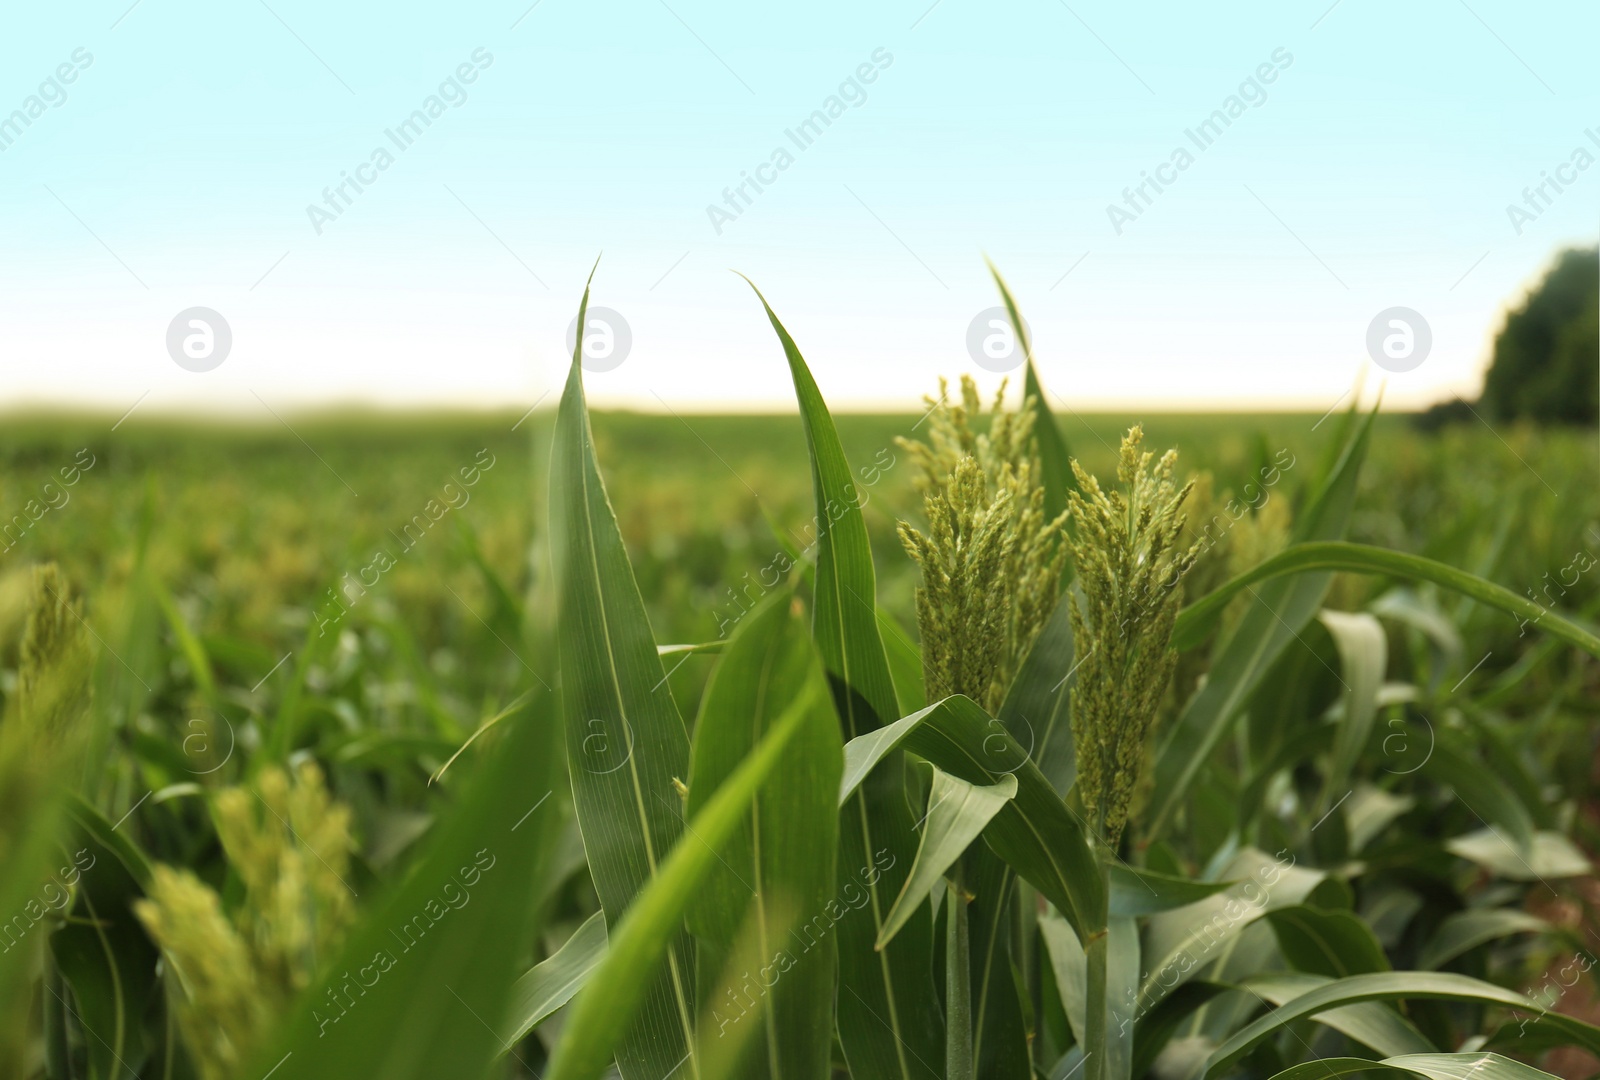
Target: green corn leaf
{"points": [[1122, 995], [1387, 986], [1320, 556], [1466, 930], [1332, 943], [103, 834], [1477, 1066], [419, 989], [1279, 612], [777, 872], [958, 1059], [188, 643], [905, 662], [1363, 658], [1034, 832], [1037, 710], [626, 742], [1301, 746], [1481, 791], [1070, 965], [1369, 811], [605, 1011], [999, 1027], [957, 813], [1146, 892], [551, 983], [1157, 1026], [889, 1018], [1053, 453], [1373, 1024], [1184, 941], [1551, 855]]}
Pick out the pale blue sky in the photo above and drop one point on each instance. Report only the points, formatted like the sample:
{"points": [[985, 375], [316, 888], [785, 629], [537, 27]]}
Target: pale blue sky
{"points": [[178, 170]]}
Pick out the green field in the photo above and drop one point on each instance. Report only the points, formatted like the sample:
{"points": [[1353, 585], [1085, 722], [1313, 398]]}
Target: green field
{"points": [[365, 592]]}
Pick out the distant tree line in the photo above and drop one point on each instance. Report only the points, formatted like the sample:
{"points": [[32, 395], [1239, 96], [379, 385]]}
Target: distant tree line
{"points": [[1546, 364]]}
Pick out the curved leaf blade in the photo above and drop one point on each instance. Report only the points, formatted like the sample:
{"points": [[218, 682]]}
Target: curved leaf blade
{"points": [[957, 813], [605, 1011], [1432, 1066], [1386, 986], [888, 1014], [778, 868], [1332, 943], [552, 982], [1034, 832], [1466, 930], [625, 739], [1325, 555]]}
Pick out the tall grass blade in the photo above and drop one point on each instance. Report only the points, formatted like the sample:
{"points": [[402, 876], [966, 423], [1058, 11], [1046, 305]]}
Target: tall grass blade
{"points": [[778, 868], [1053, 453], [607, 1008], [890, 1022], [625, 739]]}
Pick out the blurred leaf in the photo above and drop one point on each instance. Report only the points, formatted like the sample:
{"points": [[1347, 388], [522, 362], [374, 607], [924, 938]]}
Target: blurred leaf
{"points": [[1478, 787], [888, 1013], [1317, 557], [618, 989], [107, 961], [957, 813], [1552, 855], [1000, 1026], [551, 983], [1444, 640], [1157, 1026], [188, 644], [1182, 942], [420, 987], [1332, 943], [1369, 811], [1387, 986], [1466, 930], [626, 743], [1363, 657], [1279, 611], [1146, 892], [778, 868], [1477, 1066], [1374, 1024]]}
